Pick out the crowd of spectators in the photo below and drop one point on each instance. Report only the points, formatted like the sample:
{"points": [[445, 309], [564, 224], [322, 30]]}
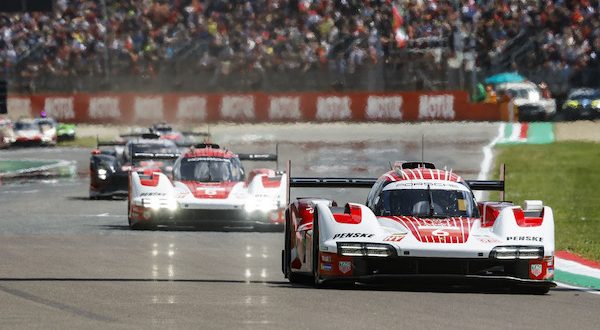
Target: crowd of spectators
{"points": [[146, 37]]}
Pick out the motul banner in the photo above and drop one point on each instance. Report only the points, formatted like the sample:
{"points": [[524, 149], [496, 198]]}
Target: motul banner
{"points": [[129, 108]]}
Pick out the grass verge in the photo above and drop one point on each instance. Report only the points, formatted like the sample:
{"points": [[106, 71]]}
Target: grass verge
{"points": [[15, 165], [565, 176], [86, 142]]}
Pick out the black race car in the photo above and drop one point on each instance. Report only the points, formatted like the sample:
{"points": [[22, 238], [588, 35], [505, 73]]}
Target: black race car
{"points": [[109, 167], [582, 103]]}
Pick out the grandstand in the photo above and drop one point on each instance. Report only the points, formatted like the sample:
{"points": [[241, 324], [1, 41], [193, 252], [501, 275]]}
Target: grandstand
{"points": [[279, 45]]}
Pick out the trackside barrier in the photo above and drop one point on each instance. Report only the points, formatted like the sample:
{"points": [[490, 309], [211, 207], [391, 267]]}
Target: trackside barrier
{"points": [[128, 108]]}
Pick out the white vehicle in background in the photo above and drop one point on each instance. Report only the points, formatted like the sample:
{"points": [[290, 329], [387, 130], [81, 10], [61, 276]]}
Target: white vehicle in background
{"points": [[208, 186], [528, 98], [39, 131]]}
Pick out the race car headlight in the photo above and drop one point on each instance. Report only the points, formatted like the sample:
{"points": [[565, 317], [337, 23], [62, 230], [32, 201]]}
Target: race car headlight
{"points": [[101, 174], [170, 205], [365, 250], [517, 252], [571, 104], [596, 104], [262, 206], [531, 252]]}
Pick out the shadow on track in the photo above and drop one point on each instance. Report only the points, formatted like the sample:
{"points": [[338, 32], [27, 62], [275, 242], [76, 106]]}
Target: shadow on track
{"points": [[88, 199], [421, 286], [141, 280], [214, 228]]}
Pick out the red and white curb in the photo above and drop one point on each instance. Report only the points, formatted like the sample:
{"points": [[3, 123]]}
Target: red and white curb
{"points": [[575, 272]]}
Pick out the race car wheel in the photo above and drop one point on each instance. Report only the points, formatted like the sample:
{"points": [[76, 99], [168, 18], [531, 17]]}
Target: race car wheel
{"points": [[141, 226], [315, 251], [287, 252]]}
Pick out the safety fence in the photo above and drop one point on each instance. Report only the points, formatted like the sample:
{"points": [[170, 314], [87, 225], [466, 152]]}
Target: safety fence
{"points": [[130, 108]]}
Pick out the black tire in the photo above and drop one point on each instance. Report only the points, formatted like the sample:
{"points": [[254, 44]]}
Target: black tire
{"points": [[142, 226], [287, 252], [315, 251], [129, 212]]}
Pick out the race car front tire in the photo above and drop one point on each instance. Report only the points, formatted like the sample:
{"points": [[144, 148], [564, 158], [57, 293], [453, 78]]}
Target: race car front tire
{"points": [[287, 253], [318, 281]]}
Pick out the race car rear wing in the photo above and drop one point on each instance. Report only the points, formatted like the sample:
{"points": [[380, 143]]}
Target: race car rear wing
{"points": [[205, 134], [258, 157], [310, 182], [151, 155], [149, 136], [315, 182]]}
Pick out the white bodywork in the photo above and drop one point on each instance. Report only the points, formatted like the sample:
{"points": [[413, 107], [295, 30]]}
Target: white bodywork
{"points": [[247, 197], [480, 242], [528, 93]]}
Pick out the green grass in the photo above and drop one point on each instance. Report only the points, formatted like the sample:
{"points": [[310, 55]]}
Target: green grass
{"points": [[566, 176], [86, 141], [14, 165]]}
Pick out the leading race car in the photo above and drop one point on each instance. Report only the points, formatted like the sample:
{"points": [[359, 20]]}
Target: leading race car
{"points": [[39, 131], [418, 222], [208, 186], [109, 168]]}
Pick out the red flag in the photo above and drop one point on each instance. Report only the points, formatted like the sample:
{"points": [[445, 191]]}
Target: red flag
{"points": [[397, 18]]}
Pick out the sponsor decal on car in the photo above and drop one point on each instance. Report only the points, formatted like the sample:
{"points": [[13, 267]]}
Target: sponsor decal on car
{"points": [[537, 270], [325, 258], [525, 238], [395, 237], [326, 267], [352, 235], [152, 194], [345, 266], [488, 239]]}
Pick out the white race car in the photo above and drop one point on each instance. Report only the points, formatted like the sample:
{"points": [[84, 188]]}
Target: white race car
{"points": [[418, 222], [208, 186]]}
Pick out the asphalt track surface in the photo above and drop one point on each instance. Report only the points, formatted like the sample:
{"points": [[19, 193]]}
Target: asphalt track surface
{"points": [[68, 262]]}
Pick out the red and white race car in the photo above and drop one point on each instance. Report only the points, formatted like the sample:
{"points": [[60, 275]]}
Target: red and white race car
{"points": [[39, 131], [208, 186], [418, 222]]}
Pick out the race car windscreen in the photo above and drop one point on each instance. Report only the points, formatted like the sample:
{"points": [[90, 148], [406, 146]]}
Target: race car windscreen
{"points": [[427, 203], [584, 95], [24, 126], [207, 169]]}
